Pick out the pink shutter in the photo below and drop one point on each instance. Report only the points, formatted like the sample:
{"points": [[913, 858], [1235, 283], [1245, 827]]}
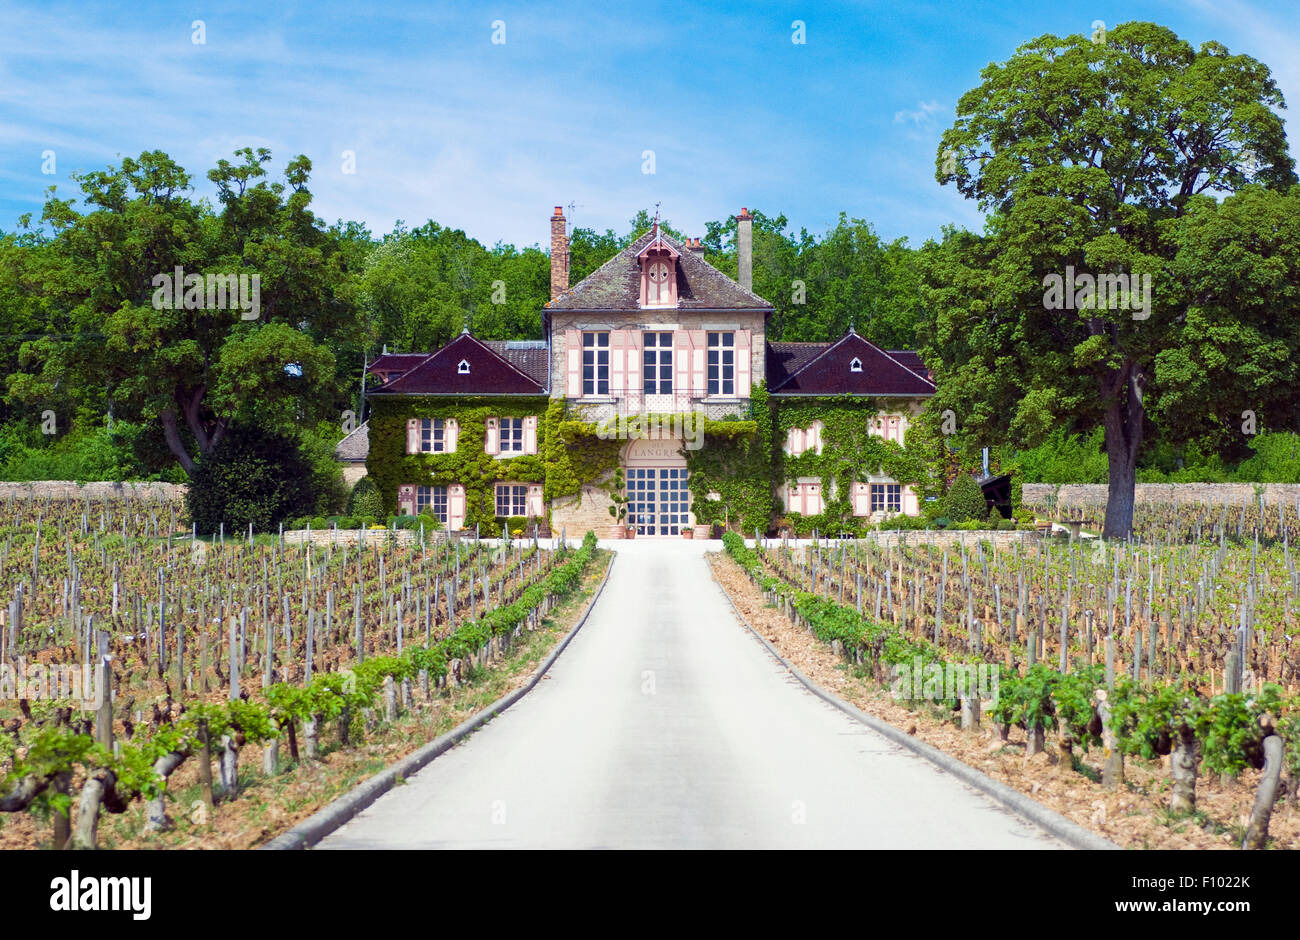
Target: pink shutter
{"points": [[633, 352], [455, 507], [617, 352], [910, 505], [451, 430], [536, 506], [413, 436], [406, 499], [491, 445], [699, 347], [682, 365], [818, 427], [792, 500], [530, 434], [814, 498], [573, 348], [744, 359], [861, 499]]}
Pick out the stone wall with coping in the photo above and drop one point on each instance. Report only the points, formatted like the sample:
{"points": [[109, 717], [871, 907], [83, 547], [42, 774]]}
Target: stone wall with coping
{"points": [[1092, 496], [68, 489]]}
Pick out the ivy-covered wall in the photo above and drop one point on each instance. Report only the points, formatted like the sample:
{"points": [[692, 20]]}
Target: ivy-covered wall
{"points": [[850, 453], [736, 462], [390, 466], [743, 461]]}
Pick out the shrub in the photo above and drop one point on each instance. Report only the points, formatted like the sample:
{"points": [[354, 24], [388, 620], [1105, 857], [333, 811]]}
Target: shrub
{"points": [[252, 476], [365, 500], [965, 500]]}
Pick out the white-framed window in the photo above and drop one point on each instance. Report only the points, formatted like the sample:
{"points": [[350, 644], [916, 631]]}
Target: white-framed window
{"points": [[433, 435], [722, 363], [463, 367], [511, 440], [595, 363], [512, 499], [886, 497], [855, 364], [657, 363], [432, 500]]}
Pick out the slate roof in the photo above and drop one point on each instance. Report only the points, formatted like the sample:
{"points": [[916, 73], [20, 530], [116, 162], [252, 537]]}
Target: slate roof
{"points": [[785, 359], [490, 373], [912, 360], [355, 446], [531, 357], [397, 362], [827, 372], [616, 285]]}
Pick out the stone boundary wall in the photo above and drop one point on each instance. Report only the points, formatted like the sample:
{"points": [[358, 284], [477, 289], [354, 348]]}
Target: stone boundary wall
{"points": [[1093, 495], [940, 538], [68, 489]]}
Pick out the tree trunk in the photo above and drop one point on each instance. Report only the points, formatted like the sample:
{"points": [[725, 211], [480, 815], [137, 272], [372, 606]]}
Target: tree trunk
{"points": [[156, 811], [1125, 415], [1257, 831], [1182, 768], [92, 799], [172, 435], [229, 767], [271, 757], [311, 737]]}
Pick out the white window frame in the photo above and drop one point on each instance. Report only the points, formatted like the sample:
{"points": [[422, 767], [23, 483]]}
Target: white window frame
{"points": [[720, 372], [591, 387], [510, 436], [433, 498], [885, 497], [433, 435], [511, 492], [657, 362]]}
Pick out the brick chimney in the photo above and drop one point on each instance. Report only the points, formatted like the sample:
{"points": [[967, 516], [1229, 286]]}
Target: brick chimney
{"points": [[694, 245], [745, 249], [559, 254]]}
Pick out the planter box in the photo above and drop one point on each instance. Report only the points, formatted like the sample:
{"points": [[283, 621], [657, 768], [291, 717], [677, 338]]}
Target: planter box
{"points": [[616, 532], [704, 531]]}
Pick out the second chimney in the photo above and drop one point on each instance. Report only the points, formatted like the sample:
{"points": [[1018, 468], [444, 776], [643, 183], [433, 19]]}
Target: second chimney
{"points": [[745, 249], [559, 254]]}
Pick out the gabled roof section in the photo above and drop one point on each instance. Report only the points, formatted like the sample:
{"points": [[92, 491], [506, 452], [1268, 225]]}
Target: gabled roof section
{"points": [[616, 285], [490, 373], [828, 372], [354, 447]]}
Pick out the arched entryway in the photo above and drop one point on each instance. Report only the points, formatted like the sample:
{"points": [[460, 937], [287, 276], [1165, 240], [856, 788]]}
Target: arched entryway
{"points": [[658, 497]]}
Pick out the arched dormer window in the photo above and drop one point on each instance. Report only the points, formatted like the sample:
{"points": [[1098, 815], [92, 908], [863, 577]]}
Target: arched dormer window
{"points": [[855, 364], [463, 368]]}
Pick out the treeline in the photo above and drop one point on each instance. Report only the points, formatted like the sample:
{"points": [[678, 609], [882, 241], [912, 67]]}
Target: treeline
{"points": [[114, 372]]}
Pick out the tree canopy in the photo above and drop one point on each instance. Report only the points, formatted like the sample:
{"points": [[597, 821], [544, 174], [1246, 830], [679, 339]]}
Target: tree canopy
{"points": [[1095, 296]]}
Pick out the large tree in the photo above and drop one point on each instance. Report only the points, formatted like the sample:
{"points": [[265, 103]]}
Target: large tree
{"points": [[1089, 152], [193, 370]]}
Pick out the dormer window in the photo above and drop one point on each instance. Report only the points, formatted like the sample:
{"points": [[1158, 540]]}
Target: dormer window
{"points": [[855, 364], [463, 368], [658, 273]]}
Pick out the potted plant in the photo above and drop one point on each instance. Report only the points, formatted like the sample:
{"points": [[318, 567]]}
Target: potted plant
{"points": [[688, 532]]}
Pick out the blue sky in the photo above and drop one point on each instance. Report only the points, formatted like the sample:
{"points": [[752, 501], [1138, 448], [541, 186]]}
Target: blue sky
{"points": [[445, 124]]}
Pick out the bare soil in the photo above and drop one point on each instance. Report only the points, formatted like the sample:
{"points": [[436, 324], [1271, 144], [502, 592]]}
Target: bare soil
{"points": [[1133, 816], [268, 806]]}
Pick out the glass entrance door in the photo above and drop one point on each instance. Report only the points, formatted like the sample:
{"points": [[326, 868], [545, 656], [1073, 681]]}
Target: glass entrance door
{"points": [[658, 501]]}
